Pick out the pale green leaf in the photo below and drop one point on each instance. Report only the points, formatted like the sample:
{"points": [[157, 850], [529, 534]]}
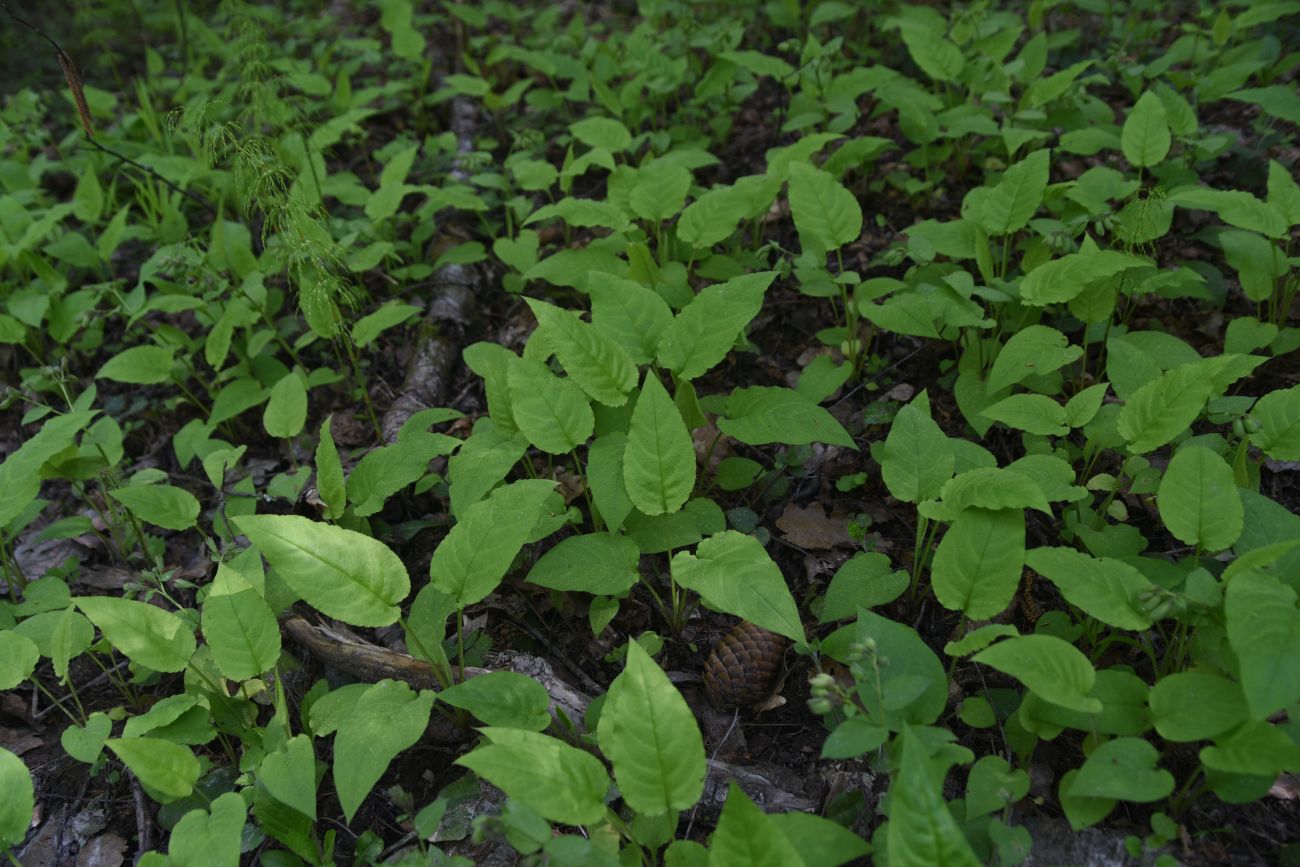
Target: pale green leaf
{"points": [[1054, 669], [1198, 499], [169, 771], [759, 415], [561, 783], [144, 633], [553, 413], [978, 562], [594, 361], [1145, 138], [704, 331], [826, 214], [659, 458], [733, 573]]}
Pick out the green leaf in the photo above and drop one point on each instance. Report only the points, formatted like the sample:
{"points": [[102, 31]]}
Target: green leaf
{"points": [[659, 458], [19, 802], [18, 658], [1234, 207], [747, 837], [582, 214], [85, 743], [910, 662], [761, 414], [239, 627], [1264, 632], [1195, 705], [704, 331], [289, 774], [921, 830], [938, 56], [1109, 590], [1255, 748], [386, 470], [713, 217], [1145, 138], [561, 783], [826, 214], [1068, 277], [384, 201], [733, 573], [386, 719], [329, 473], [139, 365], [144, 633], [650, 736], [1034, 413], [1165, 407], [598, 563], [821, 842], [864, 581], [212, 838], [1123, 769], [996, 488], [915, 459], [601, 132], [20, 477], [164, 505], [1034, 350], [660, 190], [169, 771], [992, 786], [553, 413], [396, 18], [286, 410], [1008, 206], [502, 698], [481, 463], [632, 315], [1198, 499], [471, 561], [1052, 668], [342, 573], [595, 362], [1283, 192], [1278, 415], [978, 563], [368, 327]]}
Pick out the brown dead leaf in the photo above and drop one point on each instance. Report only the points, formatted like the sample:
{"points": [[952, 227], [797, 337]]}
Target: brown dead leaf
{"points": [[106, 850], [811, 528]]}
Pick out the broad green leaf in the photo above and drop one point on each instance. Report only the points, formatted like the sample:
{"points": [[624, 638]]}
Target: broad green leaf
{"points": [[286, 410], [1264, 632], [630, 314], [1234, 207], [938, 56], [471, 561], [995, 488], [1194, 705], [1008, 206], [747, 837], [387, 718], [660, 190], [659, 458], [1068, 277], [821, 842], [388, 469], [1198, 499], [712, 218], [1165, 407], [978, 563], [169, 771], [650, 736], [1083, 407], [17, 805], [1123, 769], [144, 633], [1054, 669], [18, 658], [582, 213], [1080, 811], [1123, 697], [164, 505], [561, 783], [916, 458], [601, 132], [239, 627], [553, 413], [73, 635], [826, 214], [201, 838], [384, 201], [20, 472], [704, 331], [1278, 415], [992, 785], [761, 414], [853, 738], [1035, 413], [594, 361], [481, 463], [1106, 589], [864, 581], [1255, 748], [329, 473], [910, 662], [502, 698], [139, 365], [1284, 192], [1145, 138], [921, 831], [598, 563], [605, 477], [1034, 350], [370, 326], [396, 18], [492, 362], [979, 638], [289, 774], [343, 574], [733, 573]]}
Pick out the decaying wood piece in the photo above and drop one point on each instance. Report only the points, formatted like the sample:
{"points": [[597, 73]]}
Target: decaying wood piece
{"points": [[453, 290], [773, 788]]}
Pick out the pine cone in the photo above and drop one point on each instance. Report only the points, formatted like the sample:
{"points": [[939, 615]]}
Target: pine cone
{"points": [[741, 671]]}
